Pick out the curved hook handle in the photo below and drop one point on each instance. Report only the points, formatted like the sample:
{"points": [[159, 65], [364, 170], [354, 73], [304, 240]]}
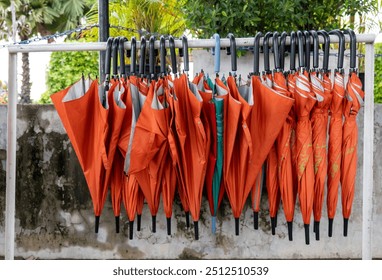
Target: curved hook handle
{"points": [[115, 57], [142, 60], [109, 45], [341, 48], [121, 49], [231, 50], [282, 49], [152, 57], [173, 55], [216, 53], [256, 52], [307, 49], [353, 48], [326, 46], [315, 48], [163, 53], [301, 58], [276, 52], [185, 53], [133, 60], [267, 68], [292, 63]]}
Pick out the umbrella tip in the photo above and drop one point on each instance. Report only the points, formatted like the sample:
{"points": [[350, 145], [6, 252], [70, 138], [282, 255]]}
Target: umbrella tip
{"points": [[187, 219], [330, 233], [317, 229], [306, 226], [169, 226], [256, 220], [96, 224], [131, 229], [290, 231], [237, 226], [154, 223], [346, 222], [117, 224], [213, 224], [139, 218], [196, 228], [273, 225]]}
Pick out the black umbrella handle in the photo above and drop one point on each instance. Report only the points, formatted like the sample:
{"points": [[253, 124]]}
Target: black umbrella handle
{"points": [[152, 57], [256, 54], [173, 55], [292, 63], [133, 59], [109, 45], [142, 59], [307, 49], [163, 54], [315, 48], [121, 49], [115, 56], [231, 50], [341, 48], [326, 46], [186, 60], [282, 49], [353, 49], [301, 58], [276, 51], [267, 67]]}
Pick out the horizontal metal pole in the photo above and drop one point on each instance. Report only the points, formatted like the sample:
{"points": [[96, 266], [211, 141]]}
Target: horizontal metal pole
{"points": [[192, 43]]}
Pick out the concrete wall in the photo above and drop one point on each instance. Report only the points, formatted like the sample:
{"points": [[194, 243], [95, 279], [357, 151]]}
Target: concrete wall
{"points": [[54, 215]]}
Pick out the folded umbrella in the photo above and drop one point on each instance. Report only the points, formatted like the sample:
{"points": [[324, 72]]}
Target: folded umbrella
{"points": [[353, 101], [335, 135]]}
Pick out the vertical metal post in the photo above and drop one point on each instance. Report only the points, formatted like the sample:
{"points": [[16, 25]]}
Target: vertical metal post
{"points": [[103, 19], [368, 138], [10, 202]]}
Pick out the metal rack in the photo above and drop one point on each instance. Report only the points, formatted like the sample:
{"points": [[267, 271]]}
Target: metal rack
{"points": [[368, 131]]}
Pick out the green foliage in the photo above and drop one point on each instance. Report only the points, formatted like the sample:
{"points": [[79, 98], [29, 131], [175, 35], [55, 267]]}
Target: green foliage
{"points": [[378, 74], [246, 17], [65, 68], [149, 16]]}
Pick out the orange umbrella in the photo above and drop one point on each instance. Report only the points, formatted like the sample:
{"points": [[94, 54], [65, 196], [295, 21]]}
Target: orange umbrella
{"points": [[193, 155], [321, 87], [305, 101], [85, 120], [284, 151], [335, 134], [353, 101]]}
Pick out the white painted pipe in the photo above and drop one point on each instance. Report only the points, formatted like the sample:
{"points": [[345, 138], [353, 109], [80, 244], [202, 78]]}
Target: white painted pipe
{"points": [[368, 142], [192, 43], [10, 202]]}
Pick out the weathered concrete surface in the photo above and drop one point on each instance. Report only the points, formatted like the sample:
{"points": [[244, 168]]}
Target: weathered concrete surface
{"points": [[54, 215]]}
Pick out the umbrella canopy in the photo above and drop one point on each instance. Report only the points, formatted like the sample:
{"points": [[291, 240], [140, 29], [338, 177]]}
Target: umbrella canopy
{"points": [[149, 149], [319, 119], [193, 155], [352, 104], [85, 120], [304, 153], [335, 136]]}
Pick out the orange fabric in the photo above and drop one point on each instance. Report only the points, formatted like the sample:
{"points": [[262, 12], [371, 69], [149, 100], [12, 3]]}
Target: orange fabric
{"points": [[335, 144], [193, 142], [115, 118], [352, 104], [130, 195], [305, 169], [319, 118], [149, 149], [284, 154], [87, 119], [269, 113]]}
